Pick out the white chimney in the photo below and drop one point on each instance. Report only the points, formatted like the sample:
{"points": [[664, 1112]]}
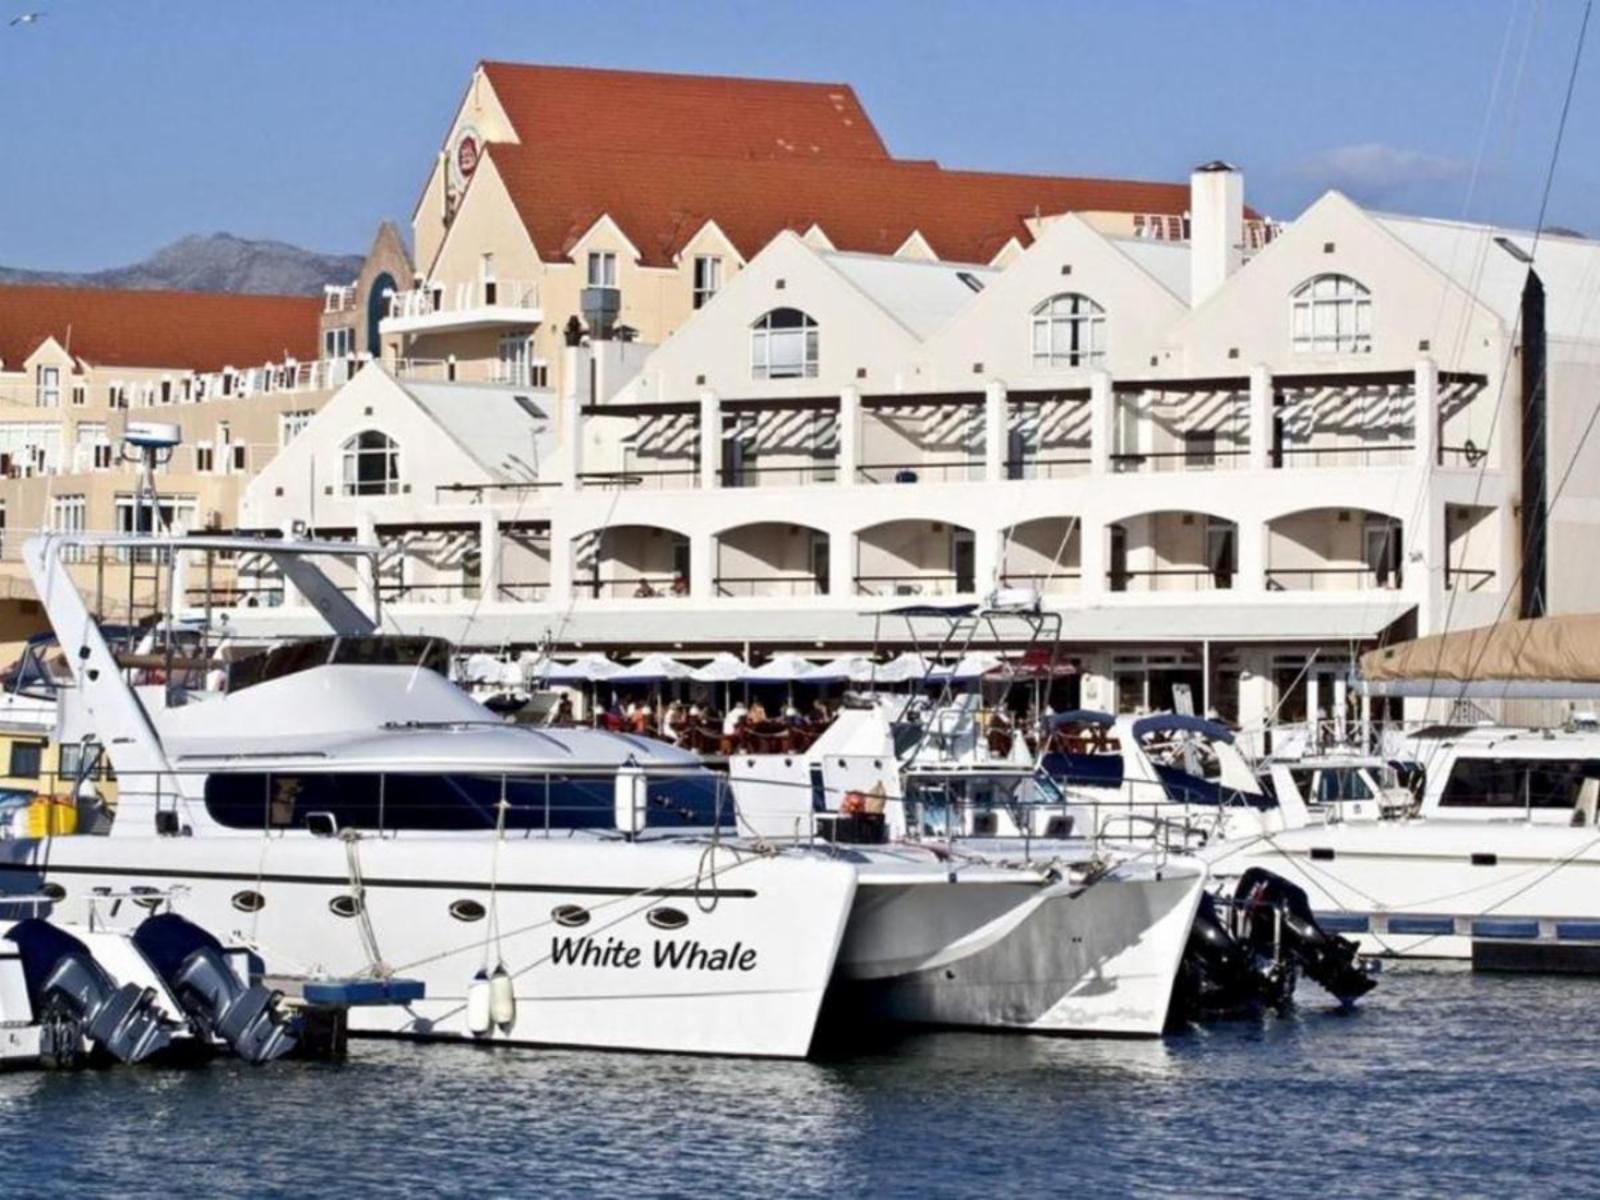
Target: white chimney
{"points": [[1216, 228]]}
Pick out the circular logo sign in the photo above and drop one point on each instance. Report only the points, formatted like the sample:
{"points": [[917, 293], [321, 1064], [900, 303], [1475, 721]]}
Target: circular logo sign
{"points": [[468, 151]]}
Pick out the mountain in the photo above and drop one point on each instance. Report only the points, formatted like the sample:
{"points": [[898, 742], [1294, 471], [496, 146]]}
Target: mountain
{"points": [[218, 262]]}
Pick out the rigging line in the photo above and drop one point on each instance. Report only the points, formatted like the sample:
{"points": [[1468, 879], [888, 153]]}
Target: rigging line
{"points": [[1538, 233]]}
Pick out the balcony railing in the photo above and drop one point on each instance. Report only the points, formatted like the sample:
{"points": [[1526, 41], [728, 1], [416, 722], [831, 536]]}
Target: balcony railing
{"points": [[1182, 579], [770, 585], [959, 471], [658, 479], [1330, 579], [1179, 460], [1062, 467], [338, 299], [1043, 581], [475, 492], [474, 370], [523, 593], [1346, 456], [434, 299], [637, 587], [931, 583], [758, 476], [1468, 579]]}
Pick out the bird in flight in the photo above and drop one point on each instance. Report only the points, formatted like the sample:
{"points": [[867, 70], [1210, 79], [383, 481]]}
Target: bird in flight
{"points": [[27, 18]]}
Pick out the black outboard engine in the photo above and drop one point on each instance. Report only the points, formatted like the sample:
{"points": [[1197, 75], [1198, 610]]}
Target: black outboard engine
{"points": [[77, 1003], [1269, 910], [1250, 959], [195, 967]]}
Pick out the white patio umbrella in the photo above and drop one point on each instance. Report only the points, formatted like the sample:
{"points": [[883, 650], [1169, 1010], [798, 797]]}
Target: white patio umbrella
{"points": [[782, 668], [653, 668], [590, 668], [847, 668], [905, 668], [974, 664], [723, 668]]}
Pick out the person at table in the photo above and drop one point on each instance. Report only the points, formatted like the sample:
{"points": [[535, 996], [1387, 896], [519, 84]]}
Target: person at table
{"points": [[736, 716], [563, 714], [680, 584], [758, 712], [644, 591]]}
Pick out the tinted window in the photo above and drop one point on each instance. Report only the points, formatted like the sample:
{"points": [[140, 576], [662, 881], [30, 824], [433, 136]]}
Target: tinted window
{"points": [[1513, 783], [452, 802], [1343, 784], [25, 758]]}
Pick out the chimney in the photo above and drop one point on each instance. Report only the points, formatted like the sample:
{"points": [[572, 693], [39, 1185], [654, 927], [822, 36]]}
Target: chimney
{"points": [[1216, 228]]}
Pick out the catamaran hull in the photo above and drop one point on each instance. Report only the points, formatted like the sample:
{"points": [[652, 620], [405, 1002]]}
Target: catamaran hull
{"points": [[676, 949], [1060, 958], [1426, 889]]}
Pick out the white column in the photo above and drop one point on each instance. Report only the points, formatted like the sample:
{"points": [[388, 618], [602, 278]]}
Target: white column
{"points": [[1260, 418], [489, 556], [702, 566], [366, 577], [1252, 542], [1425, 417], [994, 432], [1092, 537], [841, 563], [986, 559], [710, 447], [560, 591], [1102, 416], [849, 436], [572, 420]]}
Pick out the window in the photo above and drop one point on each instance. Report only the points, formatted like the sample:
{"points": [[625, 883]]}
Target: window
{"points": [[25, 759], [338, 343], [205, 459], [1517, 783], [30, 448], [707, 278], [117, 395], [92, 452], [47, 387], [1069, 330], [783, 345], [80, 395], [166, 390], [1332, 314], [290, 424], [602, 269], [516, 357], [68, 514], [371, 465], [174, 514]]}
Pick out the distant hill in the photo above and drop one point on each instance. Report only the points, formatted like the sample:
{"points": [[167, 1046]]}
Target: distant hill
{"points": [[217, 262]]}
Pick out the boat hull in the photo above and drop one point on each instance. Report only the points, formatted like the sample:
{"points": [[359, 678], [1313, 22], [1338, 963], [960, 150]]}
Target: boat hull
{"points": [[1057, 957], [677, 948]]}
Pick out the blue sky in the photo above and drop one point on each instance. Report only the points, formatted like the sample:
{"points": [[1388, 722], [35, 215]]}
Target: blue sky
{"points": [[129, 123]]}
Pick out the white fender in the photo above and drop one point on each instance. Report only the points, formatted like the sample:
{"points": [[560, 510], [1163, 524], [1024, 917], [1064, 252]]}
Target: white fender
{"points": [[502, 999], [479, 1005]]}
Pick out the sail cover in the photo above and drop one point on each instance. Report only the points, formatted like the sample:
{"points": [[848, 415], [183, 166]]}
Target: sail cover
{"points": [[1565, 649]]}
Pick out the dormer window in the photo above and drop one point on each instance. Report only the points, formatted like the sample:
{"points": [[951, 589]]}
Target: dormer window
{"points": [[783, 345], [1331, 314], [1069, 330], [371, 465], [602, 268]]}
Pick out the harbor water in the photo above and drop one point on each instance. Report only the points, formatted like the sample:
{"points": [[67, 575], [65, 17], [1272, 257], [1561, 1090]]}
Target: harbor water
{"points": [[1441, 1083]]}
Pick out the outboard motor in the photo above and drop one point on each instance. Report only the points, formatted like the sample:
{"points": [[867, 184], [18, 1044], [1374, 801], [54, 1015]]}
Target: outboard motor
{"points": [[1269, 910], [1252, 959], [76, 1001], [194, 965]]}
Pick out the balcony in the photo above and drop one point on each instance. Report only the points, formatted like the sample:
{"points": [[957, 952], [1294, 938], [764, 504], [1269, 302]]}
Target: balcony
{"points": [[630, 562], [1172, 552], [481, 304], [1334, 550], [770, 558], [915, 558]]}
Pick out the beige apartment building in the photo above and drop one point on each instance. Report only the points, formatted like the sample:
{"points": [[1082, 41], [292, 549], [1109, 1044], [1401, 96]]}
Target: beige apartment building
{"points": [[559, 193]]}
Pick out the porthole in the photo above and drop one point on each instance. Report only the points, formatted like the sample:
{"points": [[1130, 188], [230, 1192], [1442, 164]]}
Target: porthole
{"points": [[667, 918], [53, 891], [248, 901], [570, 915], [468, 910], [344, 906]]}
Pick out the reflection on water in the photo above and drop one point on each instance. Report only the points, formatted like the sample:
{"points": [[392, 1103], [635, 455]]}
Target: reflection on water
{"points": [[1442, 1082]]}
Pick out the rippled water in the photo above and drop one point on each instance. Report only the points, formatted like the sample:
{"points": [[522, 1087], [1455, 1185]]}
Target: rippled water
{"points": [[1442, 1083]]}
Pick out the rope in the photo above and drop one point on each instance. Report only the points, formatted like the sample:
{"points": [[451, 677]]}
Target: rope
{"points": [[358, 892]]}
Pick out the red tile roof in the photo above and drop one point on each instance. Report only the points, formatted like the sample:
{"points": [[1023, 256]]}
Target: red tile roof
{"points": [[661, 200], [579, 108], [193, 331]]}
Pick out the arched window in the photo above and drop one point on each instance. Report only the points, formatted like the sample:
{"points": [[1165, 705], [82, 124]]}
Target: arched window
{"points": [[371, 465], [1069, 330], [783, 345], [1332, 314]]}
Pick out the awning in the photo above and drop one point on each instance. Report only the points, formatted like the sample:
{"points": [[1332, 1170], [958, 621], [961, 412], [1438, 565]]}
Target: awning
{"points": [[1562, 649]]}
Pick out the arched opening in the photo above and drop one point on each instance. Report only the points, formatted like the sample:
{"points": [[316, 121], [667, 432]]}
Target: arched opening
{"points": [[1171, 552], [1045, 554], [771, 558], [915, 558], [1334, 550], [382, 291], [630, 562], [1331, 314], [1069, 330], [371, 464]]}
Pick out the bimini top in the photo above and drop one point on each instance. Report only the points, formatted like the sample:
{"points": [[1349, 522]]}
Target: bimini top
{"points": [[1178, 723], [1082, 716], [1544, 649]]}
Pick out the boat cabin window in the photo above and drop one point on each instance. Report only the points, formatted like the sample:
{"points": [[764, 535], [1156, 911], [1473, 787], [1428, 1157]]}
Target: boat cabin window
{"points": [[1517, 783], [1332, 785], [437, 802]]}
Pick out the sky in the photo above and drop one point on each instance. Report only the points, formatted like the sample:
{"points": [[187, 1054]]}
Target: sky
{"points": [[130, 123]]}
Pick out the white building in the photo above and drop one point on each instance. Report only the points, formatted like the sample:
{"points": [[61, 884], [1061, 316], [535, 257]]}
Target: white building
{"points": [[1224, 473]]}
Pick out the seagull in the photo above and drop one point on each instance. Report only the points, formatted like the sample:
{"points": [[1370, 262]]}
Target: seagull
{"points": [[27, 18]]}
